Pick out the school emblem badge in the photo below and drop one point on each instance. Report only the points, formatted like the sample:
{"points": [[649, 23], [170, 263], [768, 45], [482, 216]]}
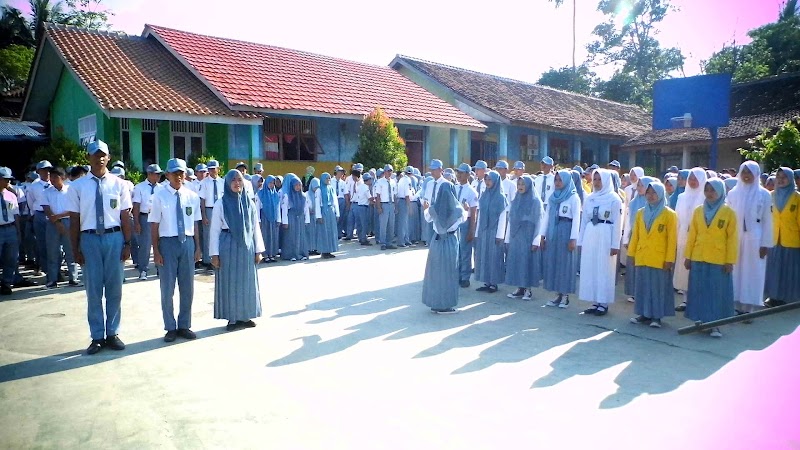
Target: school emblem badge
{"points": [[607, 214], [564, 209], [10, 205], [188, 210], [721, 224], [661, 228], [113, 203], [792, 208], [548, 188]]}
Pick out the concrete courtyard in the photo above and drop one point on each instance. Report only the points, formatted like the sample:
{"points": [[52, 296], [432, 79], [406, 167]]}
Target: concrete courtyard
{"points": [[346, 356]]}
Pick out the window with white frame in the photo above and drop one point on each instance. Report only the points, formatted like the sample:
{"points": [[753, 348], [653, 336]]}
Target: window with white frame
{"points": [[291, 139], [188, 139], [87, 129]]}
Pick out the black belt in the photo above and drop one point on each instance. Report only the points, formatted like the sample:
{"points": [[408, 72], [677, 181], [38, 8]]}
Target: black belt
{"points": [[7, 224], [363, 206], [603, 221], [386, 202], [225, 230], [144, 213], [565, 219], [449, 233], [108, 230]]}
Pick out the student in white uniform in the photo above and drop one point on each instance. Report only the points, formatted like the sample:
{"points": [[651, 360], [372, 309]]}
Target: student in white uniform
{"points": [[142, 202], [9, 232], [211, 189], [509, 186], [403, 205], [599, 242], [518, 170], [479, 183], [543, 184], [559, 239], [55, 208], [34, 196], [173, 219], [468, 198], [385, 191], [340, 187], [100, 234]]}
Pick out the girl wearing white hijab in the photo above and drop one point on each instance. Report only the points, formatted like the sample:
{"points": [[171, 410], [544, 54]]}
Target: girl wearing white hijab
{"points": [[751, 203], [599, 242], [688, 201]]}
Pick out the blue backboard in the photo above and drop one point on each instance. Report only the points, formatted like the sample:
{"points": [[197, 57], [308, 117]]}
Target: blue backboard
{"points": [[698, 102]]}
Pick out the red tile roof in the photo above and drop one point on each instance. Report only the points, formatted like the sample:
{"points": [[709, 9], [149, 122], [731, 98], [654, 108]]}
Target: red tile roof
{"points": [[135, 74], [262, 77]]}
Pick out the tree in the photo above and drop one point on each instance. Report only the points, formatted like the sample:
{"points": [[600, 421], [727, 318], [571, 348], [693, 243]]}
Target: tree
{"points": [[14, 29], [625, 88], [574, 27], [62, 152], [88, 14], [628, 40], [778, 149], [42, 11], [579, 80], [775, 49], [15, 64], [380, 142]]}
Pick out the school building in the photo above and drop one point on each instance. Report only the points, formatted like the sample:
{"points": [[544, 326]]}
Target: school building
{"points": [[170, 93]]}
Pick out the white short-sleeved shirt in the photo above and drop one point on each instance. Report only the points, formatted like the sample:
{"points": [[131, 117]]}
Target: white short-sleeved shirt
{"points": [[340, 186], [207, 190], [404, 187], [350, 185], [81, 196], [543, 187], [12, 207], [218, 224], [387, 189], [467, 193], [55, 199], [164, 210], [142, 194], [510, 188], [35, 194], [479, 186], [362, 195]]}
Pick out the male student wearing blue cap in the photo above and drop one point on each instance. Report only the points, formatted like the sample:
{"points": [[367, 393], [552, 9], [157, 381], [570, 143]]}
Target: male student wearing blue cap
{"points": [[385, 191], [468, 198], [142, 198], [478, 183], [9, 232], [543, 184], [173, 224], [35, 195], [100, 231], [509, 186], [211, 189]]}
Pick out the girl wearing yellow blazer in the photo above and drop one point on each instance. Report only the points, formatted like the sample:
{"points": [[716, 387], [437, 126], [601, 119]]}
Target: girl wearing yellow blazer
{"points": [[652, 247], [783, 262], [711, 251]]}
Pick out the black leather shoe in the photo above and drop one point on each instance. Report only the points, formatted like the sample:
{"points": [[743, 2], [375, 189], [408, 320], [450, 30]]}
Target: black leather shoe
{"points": [[464, 284], [187, 334], [95, 346], [170, 336], [246, 324], [233, 326], [114, 343], [5, 289], [25, 283]]}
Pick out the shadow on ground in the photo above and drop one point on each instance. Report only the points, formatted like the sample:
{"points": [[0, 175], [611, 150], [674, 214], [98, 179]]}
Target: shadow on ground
{"points": [[515, 331]]}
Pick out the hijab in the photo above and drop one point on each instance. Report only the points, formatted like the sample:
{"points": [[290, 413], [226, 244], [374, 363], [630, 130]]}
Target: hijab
{"points": [[446, 211], [782, 194], [605, 194], [651, 211], [526, 207], [238, 209], [297, 201], [269, 199], [559, 196], [639, 172], [428, 179], [710, 208], [255, 179], [492, 203], [730, 183], [576, 183], [313, 185], [638, 201], [694, 197], [326, 190], [673, 199]]}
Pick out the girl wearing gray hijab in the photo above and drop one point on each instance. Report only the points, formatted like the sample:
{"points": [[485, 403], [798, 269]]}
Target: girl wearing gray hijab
{"points": [[235, 245], [440, 285], [525, 219], [490, 267]]}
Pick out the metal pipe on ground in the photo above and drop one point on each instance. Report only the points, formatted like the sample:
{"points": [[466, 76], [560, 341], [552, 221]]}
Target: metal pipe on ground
{"points": [[700, 326]]}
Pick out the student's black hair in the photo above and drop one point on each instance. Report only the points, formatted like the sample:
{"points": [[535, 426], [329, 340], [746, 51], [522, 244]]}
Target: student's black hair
{"points": [[58, 171]]}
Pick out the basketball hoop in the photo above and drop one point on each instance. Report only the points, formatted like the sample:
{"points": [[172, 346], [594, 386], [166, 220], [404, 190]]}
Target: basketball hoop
{"points": [[684, 121]]}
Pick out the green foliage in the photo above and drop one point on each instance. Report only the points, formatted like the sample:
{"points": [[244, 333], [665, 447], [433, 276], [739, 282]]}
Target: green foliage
{"points": [[15, 64], [626, 88], [205, 158], [43, 11], [774, 49], [87, 14], [14, 28], [62, 152], [627, 40], [134, 175], [778, 149], [579, 80], [380, 142]]}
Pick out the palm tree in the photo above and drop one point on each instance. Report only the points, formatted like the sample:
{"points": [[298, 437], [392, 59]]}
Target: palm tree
{"points": [[14, 28], [574, 16], [43, 11]]}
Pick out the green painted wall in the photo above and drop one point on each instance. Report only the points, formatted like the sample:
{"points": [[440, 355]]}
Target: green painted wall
{"points": [[440, 144], [163, 142], [135, 133], [217, 140], [70, 104]]}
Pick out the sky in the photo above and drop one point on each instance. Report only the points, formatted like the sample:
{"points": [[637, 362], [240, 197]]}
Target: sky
{"points": [[511, 38]]}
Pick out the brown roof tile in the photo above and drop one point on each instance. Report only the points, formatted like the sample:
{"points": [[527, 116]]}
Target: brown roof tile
{"points": [[529, 103], [133, 73]]}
